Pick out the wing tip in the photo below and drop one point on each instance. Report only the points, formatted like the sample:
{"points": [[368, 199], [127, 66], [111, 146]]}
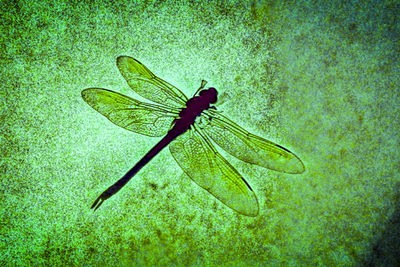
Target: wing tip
{"points": [[121, 60], [296, 166], [122, 57], [126, 60], [247, 207], [85, 93], [253, 212]]}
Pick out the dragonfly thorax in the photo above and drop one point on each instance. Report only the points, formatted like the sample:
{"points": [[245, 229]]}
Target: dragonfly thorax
{"points": [[195, 106]]}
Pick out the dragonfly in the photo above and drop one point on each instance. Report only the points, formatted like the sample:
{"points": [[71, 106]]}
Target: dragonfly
{"points": [[190, 128]]}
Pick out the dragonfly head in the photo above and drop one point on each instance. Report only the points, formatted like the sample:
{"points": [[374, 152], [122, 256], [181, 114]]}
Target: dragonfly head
{"points": [[211, 94]]}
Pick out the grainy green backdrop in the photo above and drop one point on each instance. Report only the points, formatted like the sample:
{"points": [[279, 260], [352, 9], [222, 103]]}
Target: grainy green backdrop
{"points": [[320, 79]]}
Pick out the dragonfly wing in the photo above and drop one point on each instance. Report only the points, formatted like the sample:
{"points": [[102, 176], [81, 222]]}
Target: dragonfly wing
{"points": [[149, 86], [128, 113], [249, 147], [206, 167]]}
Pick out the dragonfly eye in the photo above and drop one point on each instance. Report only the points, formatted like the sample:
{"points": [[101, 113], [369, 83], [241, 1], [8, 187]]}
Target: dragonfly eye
{"points": [[211, 93]]}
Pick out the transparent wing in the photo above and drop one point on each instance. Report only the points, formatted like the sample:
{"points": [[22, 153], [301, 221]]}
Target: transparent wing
{"points": [[249, 147], [206, 167], [128, 113], [149, 86]]}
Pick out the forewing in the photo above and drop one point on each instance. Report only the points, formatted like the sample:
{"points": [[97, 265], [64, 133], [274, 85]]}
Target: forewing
{"points": [[249, 147], [128, 113], [206, 167], [149, 86]]}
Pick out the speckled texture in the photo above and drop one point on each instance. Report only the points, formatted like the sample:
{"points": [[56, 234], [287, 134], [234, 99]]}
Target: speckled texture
{"points": [[321, 79]]}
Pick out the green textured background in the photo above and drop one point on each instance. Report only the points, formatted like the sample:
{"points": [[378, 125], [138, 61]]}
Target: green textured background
{"points": [[320, 79]]}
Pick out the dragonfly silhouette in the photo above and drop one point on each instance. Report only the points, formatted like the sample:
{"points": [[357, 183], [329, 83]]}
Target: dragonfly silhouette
{"points": [[188, 125]]}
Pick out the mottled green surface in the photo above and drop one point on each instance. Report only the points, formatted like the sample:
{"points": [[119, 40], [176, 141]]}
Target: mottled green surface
{"points": [[322, 80]]}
